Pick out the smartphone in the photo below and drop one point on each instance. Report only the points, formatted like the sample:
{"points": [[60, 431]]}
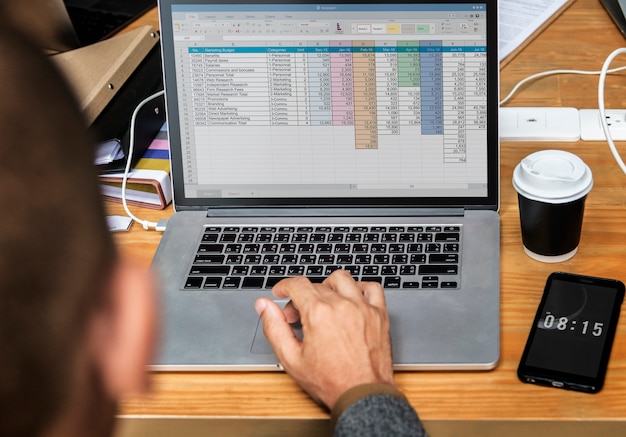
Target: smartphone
{"points": [[571, 337]]}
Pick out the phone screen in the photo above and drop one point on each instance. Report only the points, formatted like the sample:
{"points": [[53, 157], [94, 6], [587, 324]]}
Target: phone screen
{"points": [[572, 334]]}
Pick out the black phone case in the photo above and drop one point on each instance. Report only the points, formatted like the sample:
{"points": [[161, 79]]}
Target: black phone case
{"points": [[558, 379]]}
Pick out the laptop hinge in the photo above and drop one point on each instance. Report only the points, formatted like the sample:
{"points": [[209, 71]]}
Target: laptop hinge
{"points": [[334, 212]]}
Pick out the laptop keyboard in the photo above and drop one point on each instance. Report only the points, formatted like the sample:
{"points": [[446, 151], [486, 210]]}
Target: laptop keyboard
{"points": [[257, 257]]}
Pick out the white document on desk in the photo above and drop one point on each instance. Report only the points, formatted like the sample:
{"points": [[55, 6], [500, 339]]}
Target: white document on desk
{"points": [[521, 20]]}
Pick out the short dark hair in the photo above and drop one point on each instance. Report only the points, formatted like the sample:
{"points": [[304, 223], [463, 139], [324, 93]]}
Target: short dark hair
{"points": [[55, 249]]}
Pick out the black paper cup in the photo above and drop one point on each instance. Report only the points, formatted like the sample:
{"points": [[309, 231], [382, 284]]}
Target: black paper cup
{"points": [[552, 187]]}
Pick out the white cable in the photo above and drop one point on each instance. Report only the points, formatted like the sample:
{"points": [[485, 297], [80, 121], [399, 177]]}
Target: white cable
{"points": [[603, 72], [605, 126], [549, 73], [131, 145]]}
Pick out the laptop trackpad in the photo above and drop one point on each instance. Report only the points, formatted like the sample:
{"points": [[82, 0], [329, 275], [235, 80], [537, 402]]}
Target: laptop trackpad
{"points": [[260, 344]]}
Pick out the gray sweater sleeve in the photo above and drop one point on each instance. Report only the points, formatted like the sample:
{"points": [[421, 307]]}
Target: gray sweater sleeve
{"points": [[379, 415]]}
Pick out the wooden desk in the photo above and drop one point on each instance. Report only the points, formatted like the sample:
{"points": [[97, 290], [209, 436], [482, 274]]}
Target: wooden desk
{"points": [[453, 403]]}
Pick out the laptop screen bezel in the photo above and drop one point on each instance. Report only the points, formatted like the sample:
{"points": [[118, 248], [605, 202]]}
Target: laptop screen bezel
{"points": [[182, 202]]}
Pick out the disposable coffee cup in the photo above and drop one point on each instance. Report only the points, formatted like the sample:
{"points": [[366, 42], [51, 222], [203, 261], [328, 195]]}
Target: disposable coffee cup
{"points": [[551, 186]]}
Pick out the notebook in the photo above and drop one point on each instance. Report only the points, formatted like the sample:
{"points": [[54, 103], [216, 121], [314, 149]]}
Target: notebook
{"points": [[309, 136]]}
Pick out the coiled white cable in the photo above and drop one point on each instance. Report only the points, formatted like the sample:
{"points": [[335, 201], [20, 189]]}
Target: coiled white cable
{"points": [[131, 146]]}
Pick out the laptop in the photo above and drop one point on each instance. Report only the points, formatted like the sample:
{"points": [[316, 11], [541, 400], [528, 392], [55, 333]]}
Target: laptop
{"points": [[61, 25], [308, 136]]}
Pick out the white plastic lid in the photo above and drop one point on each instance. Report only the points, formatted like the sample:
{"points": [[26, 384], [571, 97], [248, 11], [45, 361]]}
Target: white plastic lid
{"points": [[552, 176]]}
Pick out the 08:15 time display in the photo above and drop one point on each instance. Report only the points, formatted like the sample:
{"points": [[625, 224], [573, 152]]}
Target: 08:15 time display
{"points": [[551, 322]]}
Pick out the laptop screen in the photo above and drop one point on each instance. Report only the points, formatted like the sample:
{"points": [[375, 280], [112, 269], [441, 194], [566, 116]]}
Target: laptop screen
{"points": [[332, 103]]}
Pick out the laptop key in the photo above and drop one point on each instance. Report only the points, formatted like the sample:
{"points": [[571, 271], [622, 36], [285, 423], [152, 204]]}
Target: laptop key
{"points": [[342, 248], [327, 259], [233, 248], [228, 238], [415, 248], [353, 270], [430, 284], [314, 270], [451, 247], [273, 280], [245, 238], [433, 247], [448, 236], [211, 248], [418, 258], [363, 259], [408, 270], [329, 269], [210, 270], [345, 259], [253, 282], [209, 259], [234, 259], [400, 259], [295, 271], [289, 259], [232, 282], [251, 248], [392, 282], [271, 259], [437, 258], [193, 282], [252, 259], [213, 282], [277, 270], [240, 270], [209, 238], [258, 270], [438, 269], [378, 248], [308, 259], [370, 270], [389, 270], [381, 259]]}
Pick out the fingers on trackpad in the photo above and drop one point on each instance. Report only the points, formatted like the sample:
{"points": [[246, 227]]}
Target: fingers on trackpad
{"points": [[260, 344]]}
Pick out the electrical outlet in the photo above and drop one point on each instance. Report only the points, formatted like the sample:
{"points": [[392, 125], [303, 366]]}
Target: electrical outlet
{"points": [[539, 124], [591, 125]]}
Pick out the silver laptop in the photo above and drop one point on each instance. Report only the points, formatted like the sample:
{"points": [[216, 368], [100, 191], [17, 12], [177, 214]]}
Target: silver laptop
{"points": [[310, 136]]}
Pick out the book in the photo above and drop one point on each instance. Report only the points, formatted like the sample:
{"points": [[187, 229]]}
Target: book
{"points": [[149, 183]]}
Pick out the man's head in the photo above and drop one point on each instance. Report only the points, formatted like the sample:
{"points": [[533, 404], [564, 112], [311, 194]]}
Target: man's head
{"points": [[67, 303]]}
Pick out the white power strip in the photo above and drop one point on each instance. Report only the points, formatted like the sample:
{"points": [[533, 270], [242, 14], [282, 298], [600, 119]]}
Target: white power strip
{"points": [[539, 124], [591, 126]]}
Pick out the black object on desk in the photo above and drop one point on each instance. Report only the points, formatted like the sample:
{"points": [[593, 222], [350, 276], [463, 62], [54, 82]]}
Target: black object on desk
{"points": [[114, 121], [96, 20]]}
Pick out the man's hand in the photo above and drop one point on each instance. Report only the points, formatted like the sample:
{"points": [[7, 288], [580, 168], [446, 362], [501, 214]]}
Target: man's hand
{"points": [[346, 334]]}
